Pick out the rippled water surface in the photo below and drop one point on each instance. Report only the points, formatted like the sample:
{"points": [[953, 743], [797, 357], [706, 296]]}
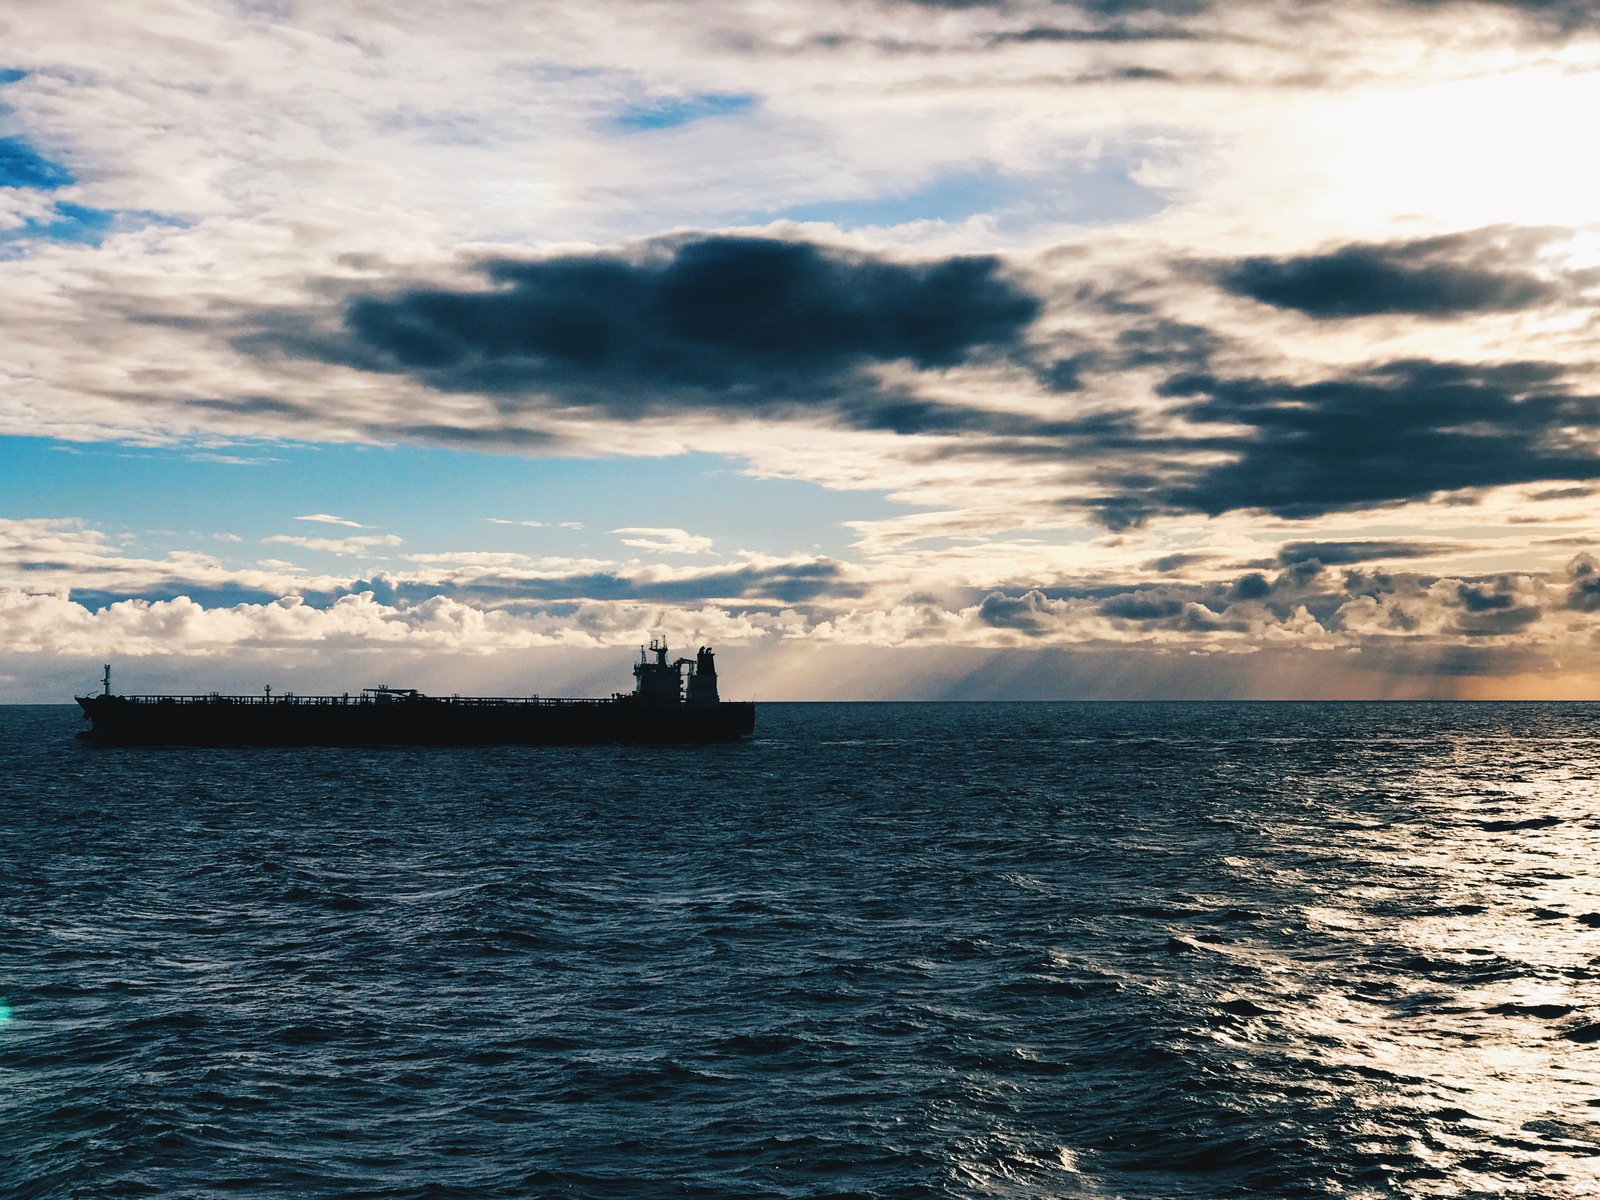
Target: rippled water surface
{"points": [[882, 950]]}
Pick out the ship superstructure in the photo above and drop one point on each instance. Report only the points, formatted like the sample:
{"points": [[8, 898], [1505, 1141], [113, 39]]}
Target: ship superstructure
{"points": [[664, 707], [662, 683]]}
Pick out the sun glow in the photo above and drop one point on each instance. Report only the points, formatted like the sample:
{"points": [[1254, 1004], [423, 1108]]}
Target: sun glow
{"points": [[1477, 152]]}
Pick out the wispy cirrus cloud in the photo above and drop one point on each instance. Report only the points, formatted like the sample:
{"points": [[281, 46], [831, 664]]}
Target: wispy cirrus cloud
{"points": [[535, 524], [663, 541], [361, 544]]}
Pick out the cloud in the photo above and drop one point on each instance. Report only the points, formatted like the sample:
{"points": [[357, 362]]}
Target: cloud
{"points": [[1401, 431], [471, 603], [1478, 599], [536, 524], [664, 541], [1143, 605], [349, 545], [328, 519], [48, 624], [1583, 594], [139, 627], [62, 556], [1554, 17], [746, 324], [1480, 271], [1333, 554], [511, 579]]}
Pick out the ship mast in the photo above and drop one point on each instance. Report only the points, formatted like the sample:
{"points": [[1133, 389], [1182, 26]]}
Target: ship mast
{"points": [[106, 680]]}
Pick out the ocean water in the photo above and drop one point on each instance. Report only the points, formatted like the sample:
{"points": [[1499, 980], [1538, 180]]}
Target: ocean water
{"points": [[968, 950]]}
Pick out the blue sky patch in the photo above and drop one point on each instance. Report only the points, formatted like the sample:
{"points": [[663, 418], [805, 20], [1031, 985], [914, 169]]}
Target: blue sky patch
{"points": [[21, 166], [75, 223], [463, 497], [668, 112], [11, 75], [68, 223], [79, 225]]}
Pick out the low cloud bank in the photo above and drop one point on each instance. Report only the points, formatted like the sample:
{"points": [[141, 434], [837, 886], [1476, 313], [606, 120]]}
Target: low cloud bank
{"points": [[1401, 622]]}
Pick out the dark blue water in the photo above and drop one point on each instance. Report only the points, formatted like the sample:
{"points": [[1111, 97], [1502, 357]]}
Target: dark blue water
{"points": [[882, 950]]}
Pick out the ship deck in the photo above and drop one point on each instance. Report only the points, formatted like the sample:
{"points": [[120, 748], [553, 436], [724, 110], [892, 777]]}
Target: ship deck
{"points": [[383, 700]]}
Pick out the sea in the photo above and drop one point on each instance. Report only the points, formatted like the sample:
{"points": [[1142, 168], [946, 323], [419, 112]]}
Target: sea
{"points": [[1142, 950]]}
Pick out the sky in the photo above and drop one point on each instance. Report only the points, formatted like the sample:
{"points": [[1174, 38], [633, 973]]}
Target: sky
{"points": [[899, 349]]}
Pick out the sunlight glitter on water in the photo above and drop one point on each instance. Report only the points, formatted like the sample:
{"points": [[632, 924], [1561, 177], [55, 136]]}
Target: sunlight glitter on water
{"points": [[1481, 923]]}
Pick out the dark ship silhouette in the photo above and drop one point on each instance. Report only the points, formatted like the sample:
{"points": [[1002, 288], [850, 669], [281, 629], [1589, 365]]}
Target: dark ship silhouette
{"points": [[663, 708]]}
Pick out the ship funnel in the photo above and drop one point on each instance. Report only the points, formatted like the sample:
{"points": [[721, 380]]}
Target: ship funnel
{"points": [[703, 681]]}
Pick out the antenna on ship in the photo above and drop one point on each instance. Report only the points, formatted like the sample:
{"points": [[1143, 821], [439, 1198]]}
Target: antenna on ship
{"points": [[106, 680]]}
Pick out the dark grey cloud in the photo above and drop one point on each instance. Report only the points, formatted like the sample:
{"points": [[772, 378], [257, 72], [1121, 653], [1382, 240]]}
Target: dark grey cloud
{"points": [[1583, 593], [783, 583], [1098, 8], [1552, 16], [1565, 493], [1253, 586], [1143, 605], [1333, 554], [1403, 431], [1555, 17], [1498, 623], [1027, 613], [1481, 599], [250, 405], [1492, 608], [728, 323], [1119, 32], [1168, 563], [1481, 271], [1162, 342]]}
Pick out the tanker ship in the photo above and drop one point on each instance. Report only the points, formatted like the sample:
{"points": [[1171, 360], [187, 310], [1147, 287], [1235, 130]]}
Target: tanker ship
{"points": [[665, 707]]}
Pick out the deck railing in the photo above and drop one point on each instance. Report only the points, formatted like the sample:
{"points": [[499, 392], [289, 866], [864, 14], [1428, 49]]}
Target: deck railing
{"points": [[382, 700]]}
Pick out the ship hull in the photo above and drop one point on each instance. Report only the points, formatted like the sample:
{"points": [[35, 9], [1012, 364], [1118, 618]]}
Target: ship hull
{"points": [[418, 721]]}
